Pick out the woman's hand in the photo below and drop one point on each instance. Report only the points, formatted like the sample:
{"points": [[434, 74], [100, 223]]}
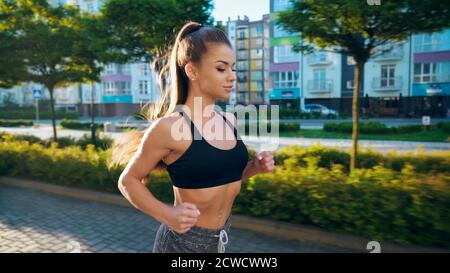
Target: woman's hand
{"points": [[183, 217], [264, 162]]}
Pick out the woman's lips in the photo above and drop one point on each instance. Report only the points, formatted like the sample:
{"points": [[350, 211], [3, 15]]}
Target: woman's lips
{"points": [[229, 87]]}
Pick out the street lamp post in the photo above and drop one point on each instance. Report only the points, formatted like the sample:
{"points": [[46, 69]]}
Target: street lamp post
{"points": [[93, 125], [302, 98]]}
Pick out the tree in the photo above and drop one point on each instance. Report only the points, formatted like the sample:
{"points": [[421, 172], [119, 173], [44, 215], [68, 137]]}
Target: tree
{"points": [[356, 28], [12, 68], [142, 29], [54, 50]]}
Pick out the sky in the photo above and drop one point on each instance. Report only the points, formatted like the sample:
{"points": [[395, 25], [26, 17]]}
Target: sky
{"points": [[254, 9]]}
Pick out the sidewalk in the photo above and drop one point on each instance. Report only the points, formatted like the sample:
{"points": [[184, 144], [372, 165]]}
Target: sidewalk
{"points": [[34, 221]]}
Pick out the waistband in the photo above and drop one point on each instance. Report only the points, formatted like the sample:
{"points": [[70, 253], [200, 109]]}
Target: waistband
{"points": [[201, 235]]}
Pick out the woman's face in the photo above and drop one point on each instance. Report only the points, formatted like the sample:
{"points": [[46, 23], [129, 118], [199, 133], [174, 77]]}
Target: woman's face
{"points": [[216, 74]]}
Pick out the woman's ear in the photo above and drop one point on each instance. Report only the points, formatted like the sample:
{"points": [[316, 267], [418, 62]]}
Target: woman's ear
{"points": [[191, 71]]}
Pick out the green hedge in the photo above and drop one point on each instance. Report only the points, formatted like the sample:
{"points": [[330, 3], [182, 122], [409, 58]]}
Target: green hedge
{"points": [[282, 127], [404, 206], [73, 124], [27, 114], [15, 123], [381, 128], [103, 143], [378, 203], [444, 126], [422, 162]]}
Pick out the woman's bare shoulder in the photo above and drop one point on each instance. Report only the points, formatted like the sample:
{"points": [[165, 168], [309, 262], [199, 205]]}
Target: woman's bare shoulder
{"points": [[161, 128]]}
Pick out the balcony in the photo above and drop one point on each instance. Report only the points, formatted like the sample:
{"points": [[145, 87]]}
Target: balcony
{"points": [[387, 84], [242, 78], [395, 54], [319, 59], [320, 86]]}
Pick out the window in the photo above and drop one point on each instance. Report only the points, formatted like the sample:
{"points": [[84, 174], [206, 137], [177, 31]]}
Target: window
{"points": [[280, 5], [284, 54], [257, 86], [242, 76], [278, 31], [260, 30], [285, 79], [257, 75], [257, 31], [260, 95], [109, 69], [257, 64], [350, 60], [439, 41], [242, 54], [144, 70], [319, 78], [241, 87], [242, 34], [257, 42], [256, 53], [350, 84], [432, 72], [242, 65], [123, 69], [388, 75], [108, 88], [143, 87], [117, 88]]}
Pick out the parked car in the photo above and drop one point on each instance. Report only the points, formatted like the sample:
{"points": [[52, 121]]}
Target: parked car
{"points": [[309, 108]]}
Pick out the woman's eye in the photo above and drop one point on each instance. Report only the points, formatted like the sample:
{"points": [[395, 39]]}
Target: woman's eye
{"points": [[223, 70]]}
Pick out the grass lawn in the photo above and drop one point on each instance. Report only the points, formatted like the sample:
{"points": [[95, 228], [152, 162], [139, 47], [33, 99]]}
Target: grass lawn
{"points": [[429, 136]]}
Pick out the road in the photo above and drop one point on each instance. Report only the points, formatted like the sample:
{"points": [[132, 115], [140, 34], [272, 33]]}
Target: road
{"points": [[260, 143]]}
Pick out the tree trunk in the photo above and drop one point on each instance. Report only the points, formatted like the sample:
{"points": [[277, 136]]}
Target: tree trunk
{"points": [[355, 132], [52, 107]]}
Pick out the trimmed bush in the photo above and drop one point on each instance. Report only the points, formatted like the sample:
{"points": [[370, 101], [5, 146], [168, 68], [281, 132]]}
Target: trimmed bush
{"points": [[380, 128], [422, 163], [103, 143], [31, 114], [444, 127], [15, 123], [376, 128], [403, 206], [378, 203], [282, 127], [73, 124]]}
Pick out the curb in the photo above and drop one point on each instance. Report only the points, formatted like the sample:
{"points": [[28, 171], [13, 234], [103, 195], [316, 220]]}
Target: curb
{"points": [[277, 229]]}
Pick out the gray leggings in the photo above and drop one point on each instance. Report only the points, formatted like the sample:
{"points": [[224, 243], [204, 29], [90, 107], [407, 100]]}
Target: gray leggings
{"points": [[196, 240]]}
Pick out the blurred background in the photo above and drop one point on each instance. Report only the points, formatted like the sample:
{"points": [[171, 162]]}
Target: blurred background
{"points": [[363, 90]]}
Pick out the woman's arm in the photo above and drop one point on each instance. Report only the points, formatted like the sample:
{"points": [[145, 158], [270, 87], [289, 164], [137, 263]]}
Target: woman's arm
{"points": [[262, 163], [249, 171], [155, 145]]}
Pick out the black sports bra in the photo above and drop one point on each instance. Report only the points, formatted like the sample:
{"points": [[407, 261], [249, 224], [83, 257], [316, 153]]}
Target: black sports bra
{"points": [[202, 165]]}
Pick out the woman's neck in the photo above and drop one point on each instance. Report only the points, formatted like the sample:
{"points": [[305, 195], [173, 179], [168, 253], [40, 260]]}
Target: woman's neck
{"points": [[202, 106]]}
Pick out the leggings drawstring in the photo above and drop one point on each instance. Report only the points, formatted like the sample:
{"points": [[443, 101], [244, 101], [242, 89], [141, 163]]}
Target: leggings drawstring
{"points": [[223, 240]]}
